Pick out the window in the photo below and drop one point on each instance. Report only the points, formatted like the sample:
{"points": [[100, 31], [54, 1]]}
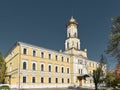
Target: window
{"points": [[49, 56], [42, 80], [62, 59], [90, 81], [77, 46], [80, 62], [34, 53], [49, 68], [49, 80], [69, 34], [79, 71], [75, 35], [33, 79], [42, 54], [24, 51], [24, 65], [62, 70], [68, 80], [24, 79], [68, 71], [33, 66], [68, 60], [68, 45], [56, 57], [56, 69], [56, 80], [62, 80], [42, 67], [10, 67]]}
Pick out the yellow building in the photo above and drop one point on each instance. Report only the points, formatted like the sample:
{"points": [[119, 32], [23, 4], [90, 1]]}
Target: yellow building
{"points": [[30, 66]]}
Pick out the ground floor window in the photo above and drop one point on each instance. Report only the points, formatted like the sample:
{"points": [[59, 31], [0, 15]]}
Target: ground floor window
{"points": [[49, 80], [24, 79], [33, 79], [62, 80], [56, 80], [42, 80]]}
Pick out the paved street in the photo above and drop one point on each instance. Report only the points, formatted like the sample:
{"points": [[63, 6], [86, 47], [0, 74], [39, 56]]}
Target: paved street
{"points": [[55, 89]]}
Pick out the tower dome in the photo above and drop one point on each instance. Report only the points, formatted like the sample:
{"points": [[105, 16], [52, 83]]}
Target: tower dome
{"points": [[72, 21]]}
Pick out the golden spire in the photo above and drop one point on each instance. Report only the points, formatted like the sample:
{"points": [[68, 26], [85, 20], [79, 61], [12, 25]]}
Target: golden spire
{"points": [[72, 21]]}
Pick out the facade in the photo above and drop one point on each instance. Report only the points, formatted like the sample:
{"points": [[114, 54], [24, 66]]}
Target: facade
{"points": [[30, 66]]}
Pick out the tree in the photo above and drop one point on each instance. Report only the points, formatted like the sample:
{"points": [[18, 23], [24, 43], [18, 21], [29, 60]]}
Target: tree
{"points": [[98, 74], [2, 69], [113, 47], [110, 79]]}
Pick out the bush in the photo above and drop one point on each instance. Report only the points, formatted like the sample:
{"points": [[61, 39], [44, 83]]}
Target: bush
{"points": [[4, 87]]}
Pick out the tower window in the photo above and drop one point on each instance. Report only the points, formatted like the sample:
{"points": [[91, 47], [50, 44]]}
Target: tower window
{"points": [[68, 45], [75, 35]]}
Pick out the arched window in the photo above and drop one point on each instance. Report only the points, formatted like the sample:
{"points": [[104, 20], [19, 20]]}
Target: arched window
{"points": [[34, 66], [42, 54], [75, 35], [49, 68], [62, 70], [24, 65], [56, 69], [68, 45], [42, 67]]}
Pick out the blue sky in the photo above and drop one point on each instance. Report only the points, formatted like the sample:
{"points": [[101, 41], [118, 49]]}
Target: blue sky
{"points": [[42, 23]]}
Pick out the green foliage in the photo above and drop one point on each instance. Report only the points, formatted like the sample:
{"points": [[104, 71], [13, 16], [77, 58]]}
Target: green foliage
{"points": [[113, 47], [4, 88], [98, 73], [2, 69]]}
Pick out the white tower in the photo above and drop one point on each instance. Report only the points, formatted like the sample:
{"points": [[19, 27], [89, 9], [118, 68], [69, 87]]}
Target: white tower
{"points": [[72, 43], [72, 40]]}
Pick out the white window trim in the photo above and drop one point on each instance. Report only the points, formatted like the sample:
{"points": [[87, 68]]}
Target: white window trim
{"points": [[26, 78], [23, 50], [35, 65], [26, 63]]}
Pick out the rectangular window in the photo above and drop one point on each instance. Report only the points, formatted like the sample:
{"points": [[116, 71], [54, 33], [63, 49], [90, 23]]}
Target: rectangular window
{"points": [[56, 80], [49, 56], [34, 53], [62, 80], [25, 51], [68, 80], [24, 79], [49, 80], [42, 80], [33, 79]]}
